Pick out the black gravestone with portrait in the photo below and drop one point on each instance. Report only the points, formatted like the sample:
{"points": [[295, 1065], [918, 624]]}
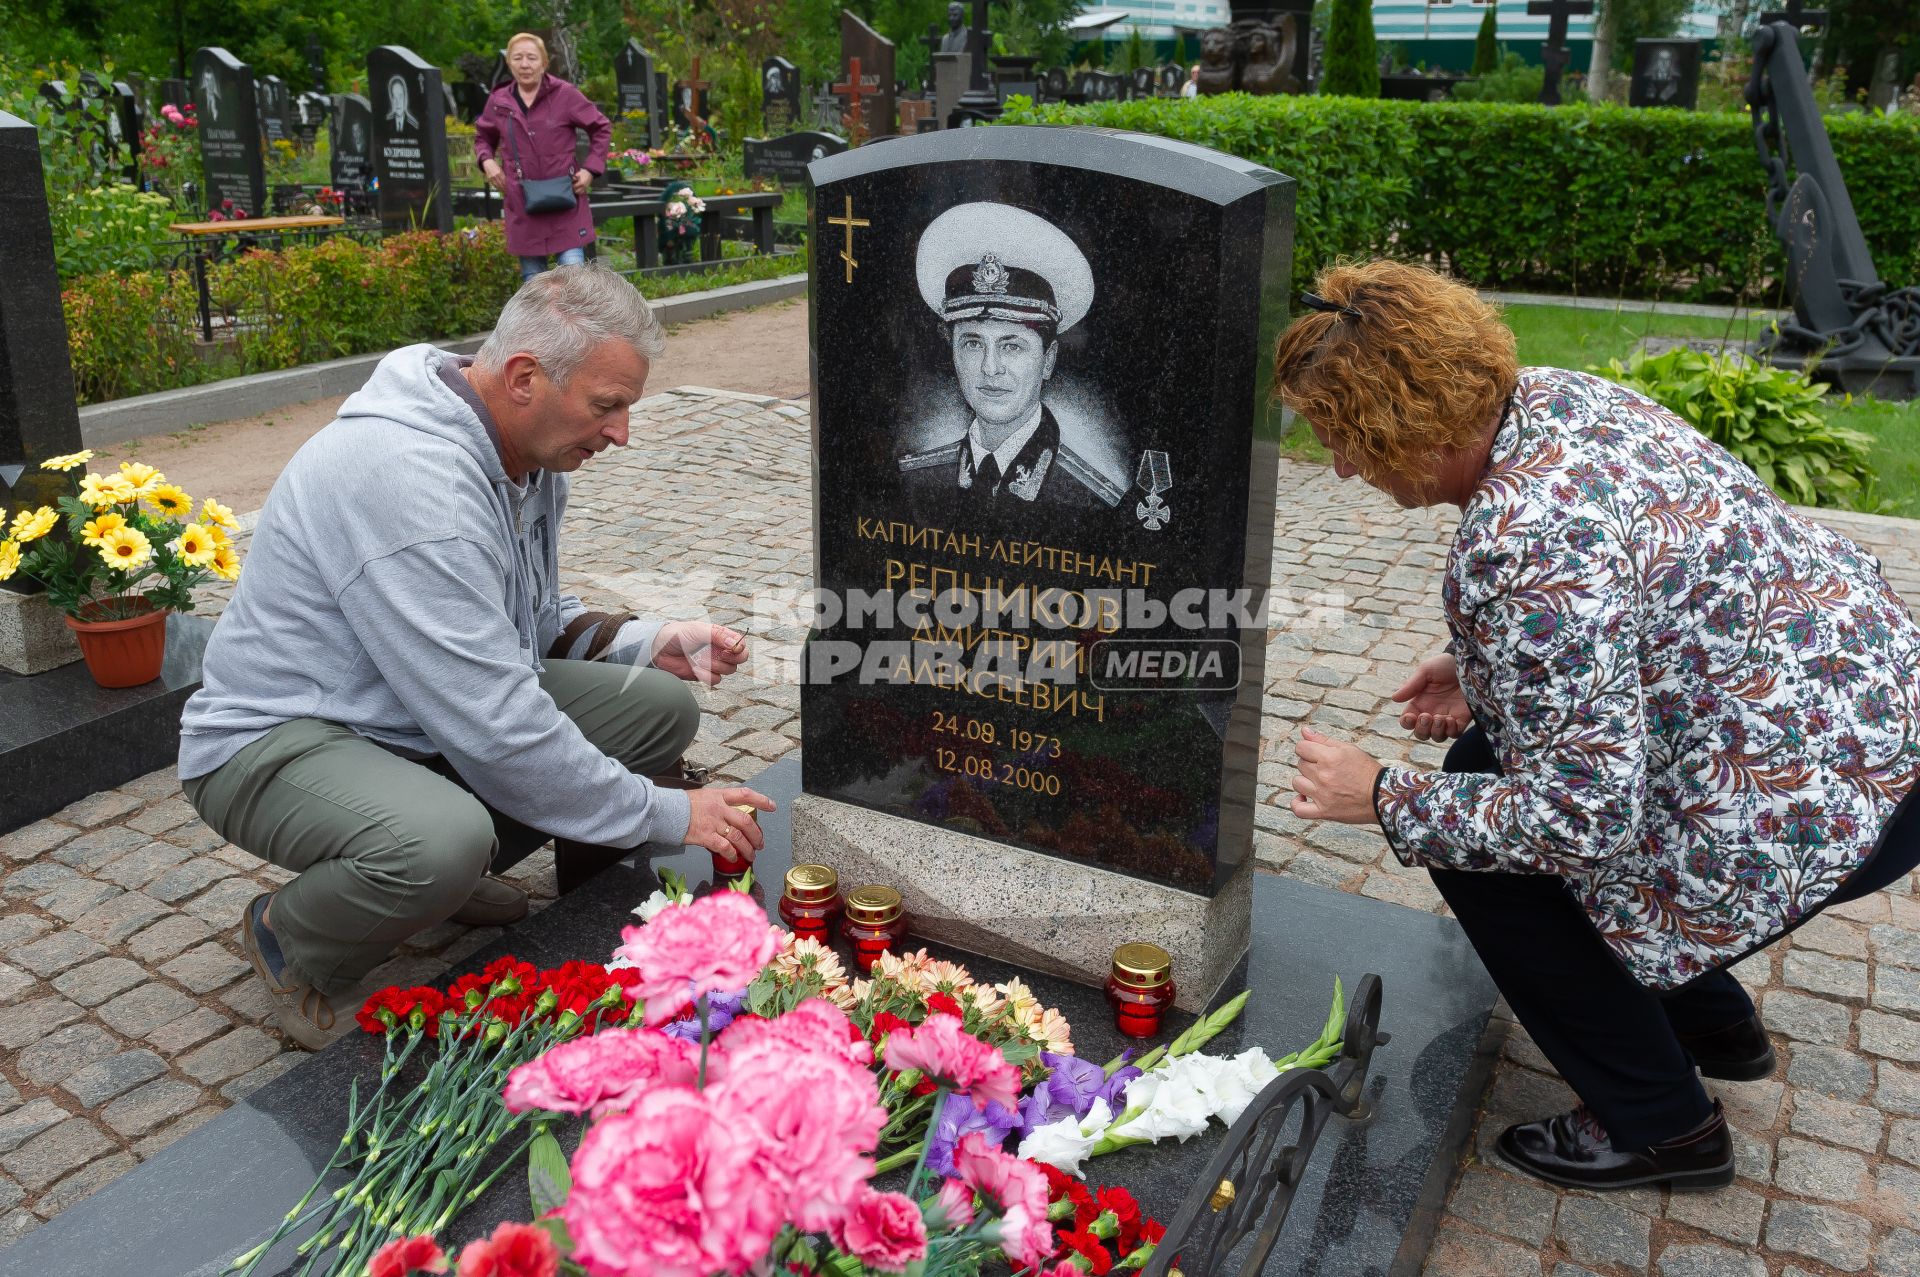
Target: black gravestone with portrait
{"points": [[785, 158], [634, 81], [350, 136], [409, 140], [310, 112], [229, 128], [276, 108], [1665, 73], [1041, 430], [858, 40], [780, 99]]}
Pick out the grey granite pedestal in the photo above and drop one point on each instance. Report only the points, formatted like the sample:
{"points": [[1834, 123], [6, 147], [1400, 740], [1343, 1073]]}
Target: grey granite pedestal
{"points": [[1045, 913], [33, 637]]}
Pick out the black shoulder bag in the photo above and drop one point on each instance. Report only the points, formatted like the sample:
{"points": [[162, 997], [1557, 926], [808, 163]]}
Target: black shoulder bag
{"points": [[541, 194]]}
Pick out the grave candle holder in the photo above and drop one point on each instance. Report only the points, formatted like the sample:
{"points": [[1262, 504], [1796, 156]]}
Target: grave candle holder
{"points": [[810, 905], [1140, 988], [725, 863], [874, 924]]}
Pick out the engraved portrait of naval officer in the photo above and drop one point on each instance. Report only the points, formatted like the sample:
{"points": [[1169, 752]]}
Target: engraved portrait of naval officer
{"points": [[1005, 283]]}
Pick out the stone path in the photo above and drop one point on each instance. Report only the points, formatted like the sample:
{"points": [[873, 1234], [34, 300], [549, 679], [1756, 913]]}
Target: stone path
{"points": [[129, 1017]]}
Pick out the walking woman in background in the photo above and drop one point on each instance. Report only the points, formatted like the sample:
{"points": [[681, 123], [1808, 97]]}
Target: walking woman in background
{"points": [[524, 141]]}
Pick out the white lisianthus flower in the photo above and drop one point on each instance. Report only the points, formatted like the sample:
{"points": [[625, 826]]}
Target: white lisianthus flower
{"points": [[659, 900], [1068, 1142], [1174, 1100]]}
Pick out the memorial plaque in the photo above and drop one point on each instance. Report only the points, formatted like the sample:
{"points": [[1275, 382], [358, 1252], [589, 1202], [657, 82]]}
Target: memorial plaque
{"points": [[350, 135], [409, 140], [875, 52], [635, 81], [229, 115], [785, 158], [1050, 551], [1665, 73], [780, 100]]}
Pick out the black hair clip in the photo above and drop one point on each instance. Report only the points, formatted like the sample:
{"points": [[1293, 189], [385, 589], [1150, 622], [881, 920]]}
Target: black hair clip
{"points": [[1314, 301]]}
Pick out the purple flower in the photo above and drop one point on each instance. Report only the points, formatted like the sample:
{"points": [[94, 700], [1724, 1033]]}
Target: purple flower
{"points": [[721, 1010], [957, 1118]]}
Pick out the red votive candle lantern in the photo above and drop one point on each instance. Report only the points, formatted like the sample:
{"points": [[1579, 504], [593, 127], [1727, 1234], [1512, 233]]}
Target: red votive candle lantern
{"points": [[810, 905], [874, 924], [1140, 988], [725, 863]]}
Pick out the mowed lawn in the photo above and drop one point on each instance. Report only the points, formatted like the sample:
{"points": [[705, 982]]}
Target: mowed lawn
{"points": [[1566, 337]]}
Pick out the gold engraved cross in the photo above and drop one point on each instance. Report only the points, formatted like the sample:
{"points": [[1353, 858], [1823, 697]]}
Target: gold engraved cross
{"points": [[849, 221]]}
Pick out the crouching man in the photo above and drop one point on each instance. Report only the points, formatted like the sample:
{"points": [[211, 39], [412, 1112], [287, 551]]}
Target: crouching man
{"points": [[390, 710]]}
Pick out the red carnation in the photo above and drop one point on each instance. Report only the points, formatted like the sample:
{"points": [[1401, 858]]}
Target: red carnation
{"points": [[1126, 1210], [884, 1023], [405, 1255], [514, 1250], [944, 1004], [1088, 1246]]}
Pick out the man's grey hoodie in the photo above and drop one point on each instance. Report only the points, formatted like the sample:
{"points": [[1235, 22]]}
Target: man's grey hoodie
{"points": [[401, 585]]}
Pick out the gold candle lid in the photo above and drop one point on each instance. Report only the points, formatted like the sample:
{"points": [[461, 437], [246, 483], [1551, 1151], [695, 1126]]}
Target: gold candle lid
{"points": [[873, 904], [812, 884], [1141, 964], [753, 813]]}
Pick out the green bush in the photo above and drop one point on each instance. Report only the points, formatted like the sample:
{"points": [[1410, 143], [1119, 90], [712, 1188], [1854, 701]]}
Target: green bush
{"points": [[109, 228], [1768, 417], [130, 334], [1486, 45], [1513, 80], [1351, 67], [1579, 198]]}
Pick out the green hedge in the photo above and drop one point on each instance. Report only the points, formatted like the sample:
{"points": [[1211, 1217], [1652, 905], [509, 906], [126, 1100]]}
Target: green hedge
{"points": [[1599, 200]]}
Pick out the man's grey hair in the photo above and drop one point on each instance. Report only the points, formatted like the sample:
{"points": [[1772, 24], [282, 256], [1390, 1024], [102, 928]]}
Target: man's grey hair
{"points": [[560, 315]]}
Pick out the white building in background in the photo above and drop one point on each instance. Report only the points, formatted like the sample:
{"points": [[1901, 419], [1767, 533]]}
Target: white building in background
{"points": [[1153, 19], [1441, 32]]}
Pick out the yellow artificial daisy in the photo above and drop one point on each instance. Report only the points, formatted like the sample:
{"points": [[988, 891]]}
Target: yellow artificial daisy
{"points": [[125, 549], [215, 515], [9, 559], [31, 525], [98, 527], [171, 501], [143, 477], [68, 461], [218, 533], [194, 545], [95, 490], [226, 564]]}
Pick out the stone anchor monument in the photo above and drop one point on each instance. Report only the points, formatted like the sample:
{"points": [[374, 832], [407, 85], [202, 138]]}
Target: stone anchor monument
{"points": [[1847, 325]]}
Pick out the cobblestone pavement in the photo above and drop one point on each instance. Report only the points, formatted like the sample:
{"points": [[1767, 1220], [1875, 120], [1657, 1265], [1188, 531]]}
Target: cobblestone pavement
{"points": [[129, 1017]]}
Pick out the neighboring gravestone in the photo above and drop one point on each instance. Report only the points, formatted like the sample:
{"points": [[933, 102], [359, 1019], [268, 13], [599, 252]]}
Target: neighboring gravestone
{"points": [[130, 113], [1665, 73], [662, 104], [176, 93], [950, 74], [38, 417], [1553, 53], [350, 137], [229, 128], [875, 52], [780, 100], [1016, 76], [1012, 720], [690, 101], [1883, 91], [409, 140], [1169, 80], [310, 112], [634, 80], [276, 109], [785, 158]]}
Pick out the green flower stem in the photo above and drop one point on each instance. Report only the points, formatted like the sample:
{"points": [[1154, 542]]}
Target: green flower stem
{"points": [[920, 1166], [706, 1035], [895, 1161]]}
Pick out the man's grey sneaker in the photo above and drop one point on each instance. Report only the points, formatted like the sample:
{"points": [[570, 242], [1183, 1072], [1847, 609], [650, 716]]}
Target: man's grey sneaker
{"points": [[493, 904]]}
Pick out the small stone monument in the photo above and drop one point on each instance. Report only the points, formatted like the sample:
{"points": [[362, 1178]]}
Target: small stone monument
{"points": [[228, 111], [950, 75], [409, 140], [1004, 718], [785, 158], [781, 103], [1665, 73], [635, 79]]}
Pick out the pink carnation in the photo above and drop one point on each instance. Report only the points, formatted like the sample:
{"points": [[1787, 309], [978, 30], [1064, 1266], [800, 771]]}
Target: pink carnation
{"points": [[955, 1201], [1018, 1187], [815, 1026], [948, 1054], [405, 1255], [883, 1231], [717, 943], [819, 1117], [602, 1072], [670, 1188]]}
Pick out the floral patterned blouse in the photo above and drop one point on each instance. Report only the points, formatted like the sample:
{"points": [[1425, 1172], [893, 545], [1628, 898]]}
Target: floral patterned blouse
{"points": [[1707, 706]]}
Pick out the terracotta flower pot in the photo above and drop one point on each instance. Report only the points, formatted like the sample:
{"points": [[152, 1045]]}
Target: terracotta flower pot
{"points": [[122, 653]]}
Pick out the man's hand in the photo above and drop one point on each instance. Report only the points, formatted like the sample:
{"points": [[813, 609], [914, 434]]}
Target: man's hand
{"points": [[699, 652], [719, 826], [581, 181], [1335, 781], [1436, 707], [495, 175]]}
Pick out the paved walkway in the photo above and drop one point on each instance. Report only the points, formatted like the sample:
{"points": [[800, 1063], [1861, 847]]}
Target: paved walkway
{"points": [[130, 1018]]}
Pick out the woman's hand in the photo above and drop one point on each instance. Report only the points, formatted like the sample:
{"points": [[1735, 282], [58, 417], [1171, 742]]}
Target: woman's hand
{"points": [[1436, 707], [495, 175], [581, 181], [1335, 781]]}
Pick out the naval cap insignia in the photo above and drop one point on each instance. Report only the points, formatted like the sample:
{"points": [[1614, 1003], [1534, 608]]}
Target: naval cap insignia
{"points": [[990, 276]]}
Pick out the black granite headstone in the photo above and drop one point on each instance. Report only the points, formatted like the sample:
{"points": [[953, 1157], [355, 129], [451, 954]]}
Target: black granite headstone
{"points": [[176, 92], [780, 98], [785, 158], [38, 417], [469, 99], [662, 104], [275, 109], [409, 140], [502, 73], [858, 40], [229, 129], [350, 137], [1087, 679], [1169, 80], [130, 116], [634, 78], [311, 110], [1665, 73]]}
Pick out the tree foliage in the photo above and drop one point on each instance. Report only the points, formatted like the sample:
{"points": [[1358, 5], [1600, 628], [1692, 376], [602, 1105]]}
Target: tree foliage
{"points": [[1351, 65], [1486, 45]]}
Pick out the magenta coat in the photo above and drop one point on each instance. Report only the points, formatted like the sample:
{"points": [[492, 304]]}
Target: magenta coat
{"points": [[544, 135]]}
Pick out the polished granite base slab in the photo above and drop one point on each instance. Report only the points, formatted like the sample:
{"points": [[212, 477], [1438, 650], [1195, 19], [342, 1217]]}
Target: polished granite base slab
{"points": [[63, 736], [1368, 1204]]}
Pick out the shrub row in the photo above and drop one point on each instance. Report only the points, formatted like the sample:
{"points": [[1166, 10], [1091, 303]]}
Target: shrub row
{"points": [[1594, 199]]}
